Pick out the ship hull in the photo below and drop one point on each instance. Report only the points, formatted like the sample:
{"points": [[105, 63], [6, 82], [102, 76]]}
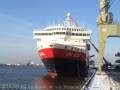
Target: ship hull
{"points": [[70, 67], [61, 62]]}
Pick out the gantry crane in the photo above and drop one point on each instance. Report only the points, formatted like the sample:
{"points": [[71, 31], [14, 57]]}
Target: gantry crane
{"points": [[106, 28]]}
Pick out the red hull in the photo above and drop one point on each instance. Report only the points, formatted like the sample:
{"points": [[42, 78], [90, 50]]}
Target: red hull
{"points": [[51, 53], [64, 62]]}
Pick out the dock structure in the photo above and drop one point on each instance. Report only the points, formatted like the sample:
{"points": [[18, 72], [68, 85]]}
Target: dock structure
{"points": [[109, 80]]}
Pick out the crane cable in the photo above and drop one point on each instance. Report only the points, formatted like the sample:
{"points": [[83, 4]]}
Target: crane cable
{"points": [[106, 62]]}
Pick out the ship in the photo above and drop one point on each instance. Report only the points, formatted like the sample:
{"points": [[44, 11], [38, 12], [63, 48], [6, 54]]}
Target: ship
{"points": [[64, 48]]}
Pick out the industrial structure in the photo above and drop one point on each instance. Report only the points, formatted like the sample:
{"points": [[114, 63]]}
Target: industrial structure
{"points": [[106, 28]]}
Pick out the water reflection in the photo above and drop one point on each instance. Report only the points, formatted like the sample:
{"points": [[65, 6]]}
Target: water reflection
{"points": [[36, 78], [64, 83]]}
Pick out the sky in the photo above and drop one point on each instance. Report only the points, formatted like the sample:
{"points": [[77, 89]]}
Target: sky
{"points": [[18, 18]]}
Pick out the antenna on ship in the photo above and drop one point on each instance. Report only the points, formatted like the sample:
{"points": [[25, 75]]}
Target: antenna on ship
{"points": [[70, 20]]}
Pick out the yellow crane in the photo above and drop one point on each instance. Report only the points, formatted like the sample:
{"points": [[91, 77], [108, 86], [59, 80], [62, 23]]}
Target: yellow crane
{"points": [[106, 28]]}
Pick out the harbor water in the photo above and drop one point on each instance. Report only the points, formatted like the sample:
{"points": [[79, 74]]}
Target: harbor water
{"points": [[36, 78]]}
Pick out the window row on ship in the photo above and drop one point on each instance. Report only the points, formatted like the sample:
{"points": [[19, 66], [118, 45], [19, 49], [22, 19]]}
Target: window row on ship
{"points": [[64, 33], [70, 29]]}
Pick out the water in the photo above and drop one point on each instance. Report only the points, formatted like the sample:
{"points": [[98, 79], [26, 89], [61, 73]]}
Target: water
{"points": [[35, 78]]}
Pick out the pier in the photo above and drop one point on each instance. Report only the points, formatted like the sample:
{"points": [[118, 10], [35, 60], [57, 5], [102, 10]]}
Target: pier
{"points": [[108, 80]]}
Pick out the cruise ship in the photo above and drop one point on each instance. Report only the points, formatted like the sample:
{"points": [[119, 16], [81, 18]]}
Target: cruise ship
{"points": [[64, 48]]}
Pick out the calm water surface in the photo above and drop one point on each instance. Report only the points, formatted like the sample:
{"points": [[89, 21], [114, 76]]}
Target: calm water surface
{"points": [[35, 78]]}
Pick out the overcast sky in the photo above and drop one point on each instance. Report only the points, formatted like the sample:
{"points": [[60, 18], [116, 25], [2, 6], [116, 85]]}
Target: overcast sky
{"points": [[18, 18]]}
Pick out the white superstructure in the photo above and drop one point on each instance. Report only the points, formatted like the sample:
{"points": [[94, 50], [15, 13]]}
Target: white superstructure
{"points": [[62, 35]]}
